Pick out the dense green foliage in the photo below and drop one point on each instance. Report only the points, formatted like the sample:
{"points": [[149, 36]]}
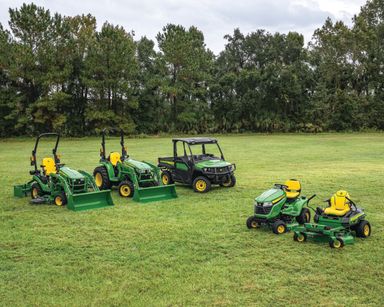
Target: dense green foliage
{"points": [[194, 250], [61, 73]]}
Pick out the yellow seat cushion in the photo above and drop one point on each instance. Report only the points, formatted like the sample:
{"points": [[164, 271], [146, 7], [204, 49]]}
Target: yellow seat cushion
{"points": [[339, 204], [49, 166], [293, 189], [114, 157]]}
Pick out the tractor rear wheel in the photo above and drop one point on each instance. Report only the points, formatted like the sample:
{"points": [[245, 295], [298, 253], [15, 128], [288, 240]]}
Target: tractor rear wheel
{"points": [[230, 182], [279, 227], [60, 200], [363, 229], [126, 188], [304, 217], [166, 178], [36, 190], [101, 178], [252, 223], [201, 184]]}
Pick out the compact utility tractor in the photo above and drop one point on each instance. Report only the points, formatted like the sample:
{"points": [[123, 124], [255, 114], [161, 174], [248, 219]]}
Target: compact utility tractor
{"points": [[58, 184], [198, 162], [140, 180], [281, 208], [337, 223]]}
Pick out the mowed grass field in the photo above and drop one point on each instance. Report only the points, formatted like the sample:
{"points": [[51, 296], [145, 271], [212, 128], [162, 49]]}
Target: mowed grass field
{"points": [[195, 250]]}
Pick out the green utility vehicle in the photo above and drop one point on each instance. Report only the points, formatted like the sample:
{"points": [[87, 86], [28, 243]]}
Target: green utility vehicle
{"points": [[198, 162], [140, 180], [281, 208], [337, 223], [60, 185]]}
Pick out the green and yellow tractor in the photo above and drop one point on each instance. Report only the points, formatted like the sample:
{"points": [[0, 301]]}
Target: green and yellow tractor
{"points": [[58, 184], [140, 180]]}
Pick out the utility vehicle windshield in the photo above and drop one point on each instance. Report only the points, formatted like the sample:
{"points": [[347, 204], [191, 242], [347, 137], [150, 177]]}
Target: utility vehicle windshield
{"points": [[206, 151]]}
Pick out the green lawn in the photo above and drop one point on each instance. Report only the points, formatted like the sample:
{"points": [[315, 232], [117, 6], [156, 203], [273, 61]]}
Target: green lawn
{"points": [[195, 250]]}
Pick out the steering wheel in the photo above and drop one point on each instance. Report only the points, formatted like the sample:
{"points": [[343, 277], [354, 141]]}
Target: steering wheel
{"points": [[281, 186]]}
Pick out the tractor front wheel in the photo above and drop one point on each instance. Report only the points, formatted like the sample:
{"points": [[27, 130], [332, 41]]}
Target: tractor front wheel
{"points": [[126, 189], [252, 223], [279, 227], [230, 182], [166, 178], [304, 217], [36, 190], [363, 229], [101, 178], [60, 200], [201, 184]]}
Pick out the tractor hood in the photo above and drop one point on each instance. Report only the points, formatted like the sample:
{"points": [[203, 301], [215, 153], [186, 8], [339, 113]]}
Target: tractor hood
{"points": [[212, 163], [70, 173], [270, 195], [137, 164]]}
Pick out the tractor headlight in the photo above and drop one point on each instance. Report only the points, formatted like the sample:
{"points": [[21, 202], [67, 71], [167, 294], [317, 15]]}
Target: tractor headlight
{"points": [[207, 169], [267, 204]]}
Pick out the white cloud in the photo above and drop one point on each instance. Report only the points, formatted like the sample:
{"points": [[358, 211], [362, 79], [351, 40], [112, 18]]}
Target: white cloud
{"points": [[214, 18]]}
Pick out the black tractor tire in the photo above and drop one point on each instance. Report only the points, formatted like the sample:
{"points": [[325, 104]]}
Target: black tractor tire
{"points": [[301, 237], [230, 183], [166, 178], [316, 218], [279, 227], [105, 182], [36, 190], [60, 200], [363, 229], [304, 217], [338, 243], [126, 188], [201, 184], [252, 223]]}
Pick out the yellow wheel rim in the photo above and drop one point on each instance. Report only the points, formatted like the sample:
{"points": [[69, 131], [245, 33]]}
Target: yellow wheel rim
{"points": [[35, 193], [307, 216], [366, 230], [254, 224], [280, 229], [98, 180], [125, 190], [165, 179], [300, 238], [201, 185], [58, 201], [336, 244], [226, 184]]}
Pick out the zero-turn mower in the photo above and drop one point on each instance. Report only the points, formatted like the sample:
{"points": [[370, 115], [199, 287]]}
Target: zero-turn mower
{"points": [[281, 208], [58, 184], [337, 223], [140, 180]]}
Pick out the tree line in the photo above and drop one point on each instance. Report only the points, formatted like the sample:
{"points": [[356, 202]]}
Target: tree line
{"points": [[59, 73]]}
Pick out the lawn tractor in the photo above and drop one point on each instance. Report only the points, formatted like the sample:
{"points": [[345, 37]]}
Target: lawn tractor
{"points": [[60, 185], [281, 208], [336, 224], [198, 162], [140, 180]]}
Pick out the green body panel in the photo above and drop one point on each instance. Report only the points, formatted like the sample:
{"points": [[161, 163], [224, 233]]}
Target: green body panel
{"points": [[212, 163], [138, 172], [181, 166], [22, 190]]}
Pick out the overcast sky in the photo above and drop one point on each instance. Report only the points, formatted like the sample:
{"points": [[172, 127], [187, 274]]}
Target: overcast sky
{"points": [[214, 17]]}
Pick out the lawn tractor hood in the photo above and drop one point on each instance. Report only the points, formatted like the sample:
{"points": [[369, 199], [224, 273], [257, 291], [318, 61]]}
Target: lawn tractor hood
{"points": [[140, 167], [270, 196], [215, 166]]}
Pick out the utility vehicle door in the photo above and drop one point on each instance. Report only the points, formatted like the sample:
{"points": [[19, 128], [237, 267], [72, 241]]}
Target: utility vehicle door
{"points": [[183, 165]]}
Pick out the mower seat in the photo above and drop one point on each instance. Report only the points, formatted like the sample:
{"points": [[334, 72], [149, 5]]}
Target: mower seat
{"points": [[293, 188], [114, 157], [48, 166], [339, 204]]}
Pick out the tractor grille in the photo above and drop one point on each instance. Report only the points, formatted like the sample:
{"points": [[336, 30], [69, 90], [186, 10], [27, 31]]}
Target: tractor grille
{"points": [[259, 209], [77, 185]]}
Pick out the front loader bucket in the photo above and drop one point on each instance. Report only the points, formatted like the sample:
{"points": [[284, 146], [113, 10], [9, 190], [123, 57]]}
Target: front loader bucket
{"points": [[21, 190], [158, 193], [90, 200]]}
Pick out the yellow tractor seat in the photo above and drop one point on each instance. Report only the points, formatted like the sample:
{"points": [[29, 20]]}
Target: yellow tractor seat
{"points": [[114, 157], [49, 166], [293, 189], [339, 204]]}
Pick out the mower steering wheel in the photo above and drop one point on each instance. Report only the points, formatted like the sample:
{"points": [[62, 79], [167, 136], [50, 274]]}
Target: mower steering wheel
{"points": [[281, 186]]}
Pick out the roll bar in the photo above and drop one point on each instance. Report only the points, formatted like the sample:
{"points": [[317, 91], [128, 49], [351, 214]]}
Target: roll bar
{"points": [[54, 150], [124, 154]]}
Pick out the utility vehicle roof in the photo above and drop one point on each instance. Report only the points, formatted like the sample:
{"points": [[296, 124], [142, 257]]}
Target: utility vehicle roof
{"points": [[196, 140]]}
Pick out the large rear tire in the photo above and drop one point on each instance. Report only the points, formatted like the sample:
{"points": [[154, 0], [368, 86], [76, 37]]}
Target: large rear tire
{"points": [[304, 217], [101, 178], [363, 229]]}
